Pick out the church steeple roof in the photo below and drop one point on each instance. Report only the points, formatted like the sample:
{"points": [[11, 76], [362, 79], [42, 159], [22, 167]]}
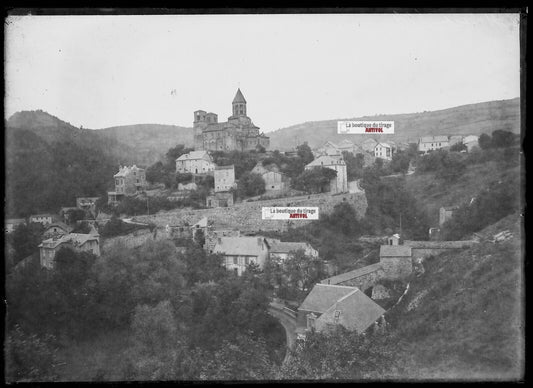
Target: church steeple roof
{"points": [[239, 97]]}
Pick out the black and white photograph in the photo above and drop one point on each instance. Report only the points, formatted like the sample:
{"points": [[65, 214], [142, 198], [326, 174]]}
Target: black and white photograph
{"points": [[253, 195]]}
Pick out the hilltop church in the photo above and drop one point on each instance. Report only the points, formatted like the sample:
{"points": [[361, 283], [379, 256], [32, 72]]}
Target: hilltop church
{"points": [[238, 133]]}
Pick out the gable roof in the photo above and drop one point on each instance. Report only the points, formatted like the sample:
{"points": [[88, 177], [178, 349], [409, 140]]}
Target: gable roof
{"points": [[239, 97], [343, 277], [370, 140], [386, 145], [346, 143], [356, 312], [433, 139], [323, 296], [242, 246], [195, 155], [61, 225], [326, 160], [76, 239], [394, 251], [288, 246], [202, 223], [126, 170]]}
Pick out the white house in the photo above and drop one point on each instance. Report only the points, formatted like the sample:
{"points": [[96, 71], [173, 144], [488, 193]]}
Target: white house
{"points": [[281, 250], [339, 184], [43, 219], [12, 223], [195, 162], [432, 143], [383, 151], [238, 252], [470, 142]]}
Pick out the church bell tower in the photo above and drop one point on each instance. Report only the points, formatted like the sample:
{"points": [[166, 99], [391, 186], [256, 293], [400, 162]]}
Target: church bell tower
{"points": [[239, 104]]}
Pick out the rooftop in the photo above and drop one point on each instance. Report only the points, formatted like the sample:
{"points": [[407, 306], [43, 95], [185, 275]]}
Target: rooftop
{"points": [[245, 246], [394, 251], [239, 98], [326, 160], [356, 311], [230, 167], [194, 155], [286, 247], [343, 277], [323, 296], [433, 139], [126, 170]]}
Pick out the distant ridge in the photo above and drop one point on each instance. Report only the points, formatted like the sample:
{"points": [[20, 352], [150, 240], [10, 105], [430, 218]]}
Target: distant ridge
{"points": [[474, 119]]}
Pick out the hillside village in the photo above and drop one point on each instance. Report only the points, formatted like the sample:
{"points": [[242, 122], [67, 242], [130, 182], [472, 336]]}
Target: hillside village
{"points": [[205, 202]]}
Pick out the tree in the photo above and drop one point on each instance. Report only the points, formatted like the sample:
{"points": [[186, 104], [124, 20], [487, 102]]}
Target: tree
{"points": [[452, 167], [354, 165], [305, 153], [400, 162], [25, 240], [315, 180], [250, 184], [485, 141], [30, 358], [502, 139], [458, 147], [174, 153]]}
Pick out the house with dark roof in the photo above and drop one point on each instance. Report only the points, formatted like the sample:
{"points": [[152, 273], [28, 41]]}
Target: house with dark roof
{"points": [[363, 278], [329, 305], [424, 249], [275, 181], [238, 252]]}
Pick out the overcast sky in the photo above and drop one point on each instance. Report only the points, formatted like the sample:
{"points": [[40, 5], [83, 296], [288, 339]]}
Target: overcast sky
{"points": [[102, 71]]}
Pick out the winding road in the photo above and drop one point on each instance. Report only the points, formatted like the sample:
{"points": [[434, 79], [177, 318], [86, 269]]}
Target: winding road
{"points": [[288, 323]]}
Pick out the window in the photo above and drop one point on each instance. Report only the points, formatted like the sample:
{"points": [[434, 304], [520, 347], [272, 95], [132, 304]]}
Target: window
{"points": [[247, 260], [234, 260]]}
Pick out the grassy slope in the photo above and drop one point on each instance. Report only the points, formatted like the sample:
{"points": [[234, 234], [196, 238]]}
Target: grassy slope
{"points": [[463, 318], [432, 194], [472, 119]]}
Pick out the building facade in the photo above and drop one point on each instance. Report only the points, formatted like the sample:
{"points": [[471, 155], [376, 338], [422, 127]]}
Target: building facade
{"points": [[224, 178], [239, 252], [239, 133], [339, 184], [383, 151], [281, 251], [128, 181], [195, 162], [432, 143], [78, 242], [12, 223], [43, 219]]}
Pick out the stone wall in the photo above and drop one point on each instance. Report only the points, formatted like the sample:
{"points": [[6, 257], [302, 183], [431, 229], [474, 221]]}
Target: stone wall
{"points": [[363, 281], [246, 216], [397, 267], [132, 240]]}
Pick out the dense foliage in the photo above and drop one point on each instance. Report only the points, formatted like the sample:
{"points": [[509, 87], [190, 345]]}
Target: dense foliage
{"points": [[58, 171]]}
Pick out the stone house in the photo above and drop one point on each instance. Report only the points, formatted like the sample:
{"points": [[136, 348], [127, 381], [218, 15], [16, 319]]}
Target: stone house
{"points": [[12, 223], [195, 162], [77, 241], [396, 261], [424, 249], [383, 151], [432, 143], [224, 178], [329, 305], [238, 252], [339, 184], [281, 250], [220, 199], [275, 181], [56, 229], [43, 219], [129, 181]]}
